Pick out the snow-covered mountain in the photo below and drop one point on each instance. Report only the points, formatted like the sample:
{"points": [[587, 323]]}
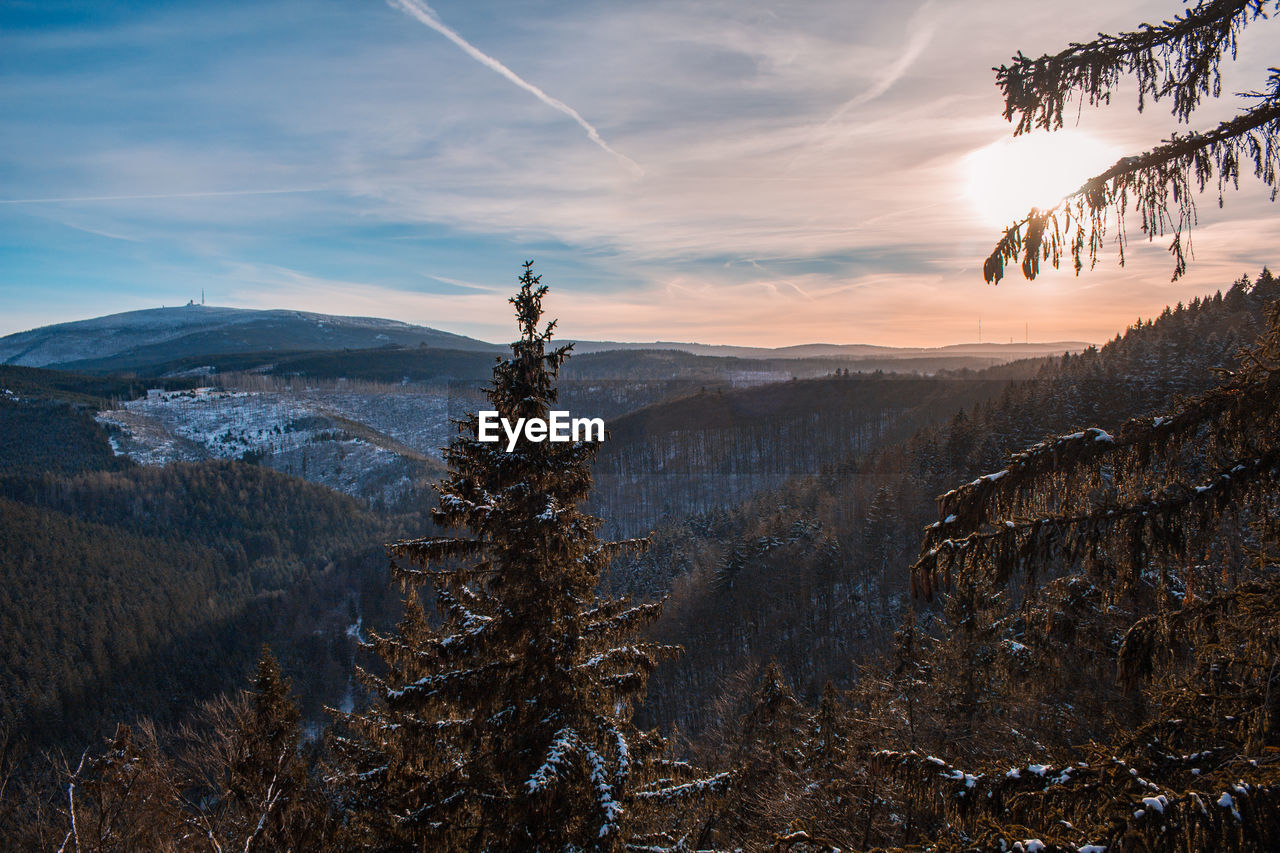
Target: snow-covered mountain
{"points": [[156, 334]]}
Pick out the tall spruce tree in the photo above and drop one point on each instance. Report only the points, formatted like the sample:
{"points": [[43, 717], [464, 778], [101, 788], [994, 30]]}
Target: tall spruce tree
{"points": [[507, 724]]}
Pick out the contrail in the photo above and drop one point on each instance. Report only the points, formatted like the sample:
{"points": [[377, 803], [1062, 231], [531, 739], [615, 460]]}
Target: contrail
{"points": [[428, 16], [920, 31], [151, 196], [921, 34]]}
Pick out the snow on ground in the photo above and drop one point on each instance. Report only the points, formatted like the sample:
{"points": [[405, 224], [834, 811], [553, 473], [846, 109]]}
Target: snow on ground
{"points": [[752, 378], [363, 444], [420, 420]]}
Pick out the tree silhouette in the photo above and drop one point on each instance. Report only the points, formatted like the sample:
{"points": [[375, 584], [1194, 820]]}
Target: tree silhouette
{"points": [[507, 726], [1176, 60]]}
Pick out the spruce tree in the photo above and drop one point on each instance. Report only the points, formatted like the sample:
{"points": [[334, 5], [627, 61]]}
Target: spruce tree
{"points": [[233, 779], [506, 724], [768, 762], [267, 801]]}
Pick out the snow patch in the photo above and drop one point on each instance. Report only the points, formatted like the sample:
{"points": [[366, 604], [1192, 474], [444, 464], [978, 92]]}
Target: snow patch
{"points": [[1155, 804]]}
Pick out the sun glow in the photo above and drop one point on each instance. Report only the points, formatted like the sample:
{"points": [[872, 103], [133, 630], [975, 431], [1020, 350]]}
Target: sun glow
{"points": [[1010, 176]]}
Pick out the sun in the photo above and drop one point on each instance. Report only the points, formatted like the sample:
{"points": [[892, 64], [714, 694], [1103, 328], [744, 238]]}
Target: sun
{"points": [[1005, 179]]}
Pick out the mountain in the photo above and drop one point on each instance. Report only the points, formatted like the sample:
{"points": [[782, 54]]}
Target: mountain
{"points": [[811, 573], [139, 338], [141, 341], [997, 352], [400, 365]]}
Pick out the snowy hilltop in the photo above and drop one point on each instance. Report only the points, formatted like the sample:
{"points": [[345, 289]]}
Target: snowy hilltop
{"points": [[157, 334]]}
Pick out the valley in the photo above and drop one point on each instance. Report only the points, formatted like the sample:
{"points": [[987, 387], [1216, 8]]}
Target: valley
{"points": [[250, 502], [816, 490]]}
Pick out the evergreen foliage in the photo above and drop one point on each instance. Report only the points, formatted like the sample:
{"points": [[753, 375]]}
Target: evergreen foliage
{"points": [[819, 568], [1178, 60], [1096, 668], [1109, 683], [507, 725], [1140, 622], [232, 780], [147, 584]]}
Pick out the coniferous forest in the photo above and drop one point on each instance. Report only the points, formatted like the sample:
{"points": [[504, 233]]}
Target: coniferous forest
{"points": [[936, 603], [1077, 650]]}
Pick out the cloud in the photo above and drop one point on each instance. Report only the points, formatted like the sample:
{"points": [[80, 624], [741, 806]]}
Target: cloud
{"points": [[147, 196], [267, 286], [678, 304], [98, 232], [866, 236], [470, 285], [428, 16], [921, 28]]}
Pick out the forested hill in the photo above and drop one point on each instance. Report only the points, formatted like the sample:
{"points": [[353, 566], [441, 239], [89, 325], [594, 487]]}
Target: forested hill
{"points": [[47, 424], [1090, 663], [1058, 586], [717, 447], [814, 573], [125, 587]]}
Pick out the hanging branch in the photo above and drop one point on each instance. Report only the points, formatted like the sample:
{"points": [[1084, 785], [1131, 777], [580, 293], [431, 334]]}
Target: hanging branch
{"points": [[1177, 471], [1178, 59], [1159, 184], [1029, 543]]}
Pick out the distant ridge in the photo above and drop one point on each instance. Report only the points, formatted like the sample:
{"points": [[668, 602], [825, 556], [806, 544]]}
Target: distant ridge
{"points": [[1003, 351], [137, 339], [158, 334]]}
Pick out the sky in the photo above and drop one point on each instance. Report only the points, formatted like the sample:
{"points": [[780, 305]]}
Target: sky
{"points": [[725, 171]]}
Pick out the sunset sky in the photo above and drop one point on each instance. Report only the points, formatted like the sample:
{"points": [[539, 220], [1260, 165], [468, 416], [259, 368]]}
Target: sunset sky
{"points": [[731, 172]]}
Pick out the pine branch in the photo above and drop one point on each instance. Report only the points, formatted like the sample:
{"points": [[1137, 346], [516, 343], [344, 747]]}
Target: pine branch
{"points": [[1179, 627], [435, 685], [1178, 59], [1160, 184], [1007, 543], [433, 548], [686, 790], [1248, 398], [606, 552], [613, 622]]}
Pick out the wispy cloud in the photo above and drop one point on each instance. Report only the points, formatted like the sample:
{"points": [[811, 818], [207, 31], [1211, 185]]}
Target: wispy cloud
{"points": [[98, 232], [428, 16], [372, 179], [921, 28], [470, 285], [143, 196], [250, 285]]}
